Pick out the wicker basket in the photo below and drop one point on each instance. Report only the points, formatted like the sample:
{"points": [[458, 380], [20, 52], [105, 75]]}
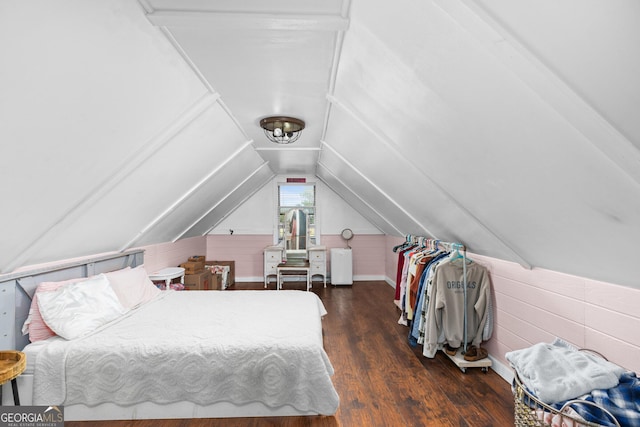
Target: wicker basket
{"points": [[12, 364], [530, 411]]}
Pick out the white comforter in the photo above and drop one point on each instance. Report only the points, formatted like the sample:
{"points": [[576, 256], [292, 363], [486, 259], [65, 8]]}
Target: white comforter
{"points": [[199, 346]]}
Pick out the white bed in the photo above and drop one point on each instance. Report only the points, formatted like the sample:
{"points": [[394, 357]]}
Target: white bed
{"points": [[190, 354]]}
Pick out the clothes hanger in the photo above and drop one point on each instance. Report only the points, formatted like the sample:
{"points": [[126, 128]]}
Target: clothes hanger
{"points": [[403, 245], [398, 247], [456, 255]]}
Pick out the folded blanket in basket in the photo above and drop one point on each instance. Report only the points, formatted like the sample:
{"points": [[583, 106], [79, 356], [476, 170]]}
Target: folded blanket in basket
{"points": [[558, 371], [623, 401]]}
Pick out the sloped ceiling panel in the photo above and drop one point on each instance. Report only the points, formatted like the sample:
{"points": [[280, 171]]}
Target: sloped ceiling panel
{"points": [[232, 199], [335, 214], [170, 173], [213, 188], [367, 191], [355, 201], [596, 55], [408, 184], [83, 92], [487, 140]]}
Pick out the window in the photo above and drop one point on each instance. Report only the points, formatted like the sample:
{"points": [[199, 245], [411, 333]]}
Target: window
{"points": [[297, 216]]}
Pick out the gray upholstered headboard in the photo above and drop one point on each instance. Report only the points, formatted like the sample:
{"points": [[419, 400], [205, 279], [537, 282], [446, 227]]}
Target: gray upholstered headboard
{"points": [[17, 289]]}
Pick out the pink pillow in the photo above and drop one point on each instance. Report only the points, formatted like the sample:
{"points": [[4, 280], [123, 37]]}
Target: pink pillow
{"points": [[35, 325], [132, 286]]}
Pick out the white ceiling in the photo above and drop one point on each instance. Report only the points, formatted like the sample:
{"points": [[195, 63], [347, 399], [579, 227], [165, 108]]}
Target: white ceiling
{"points": [[511, 127], [263, 59]]}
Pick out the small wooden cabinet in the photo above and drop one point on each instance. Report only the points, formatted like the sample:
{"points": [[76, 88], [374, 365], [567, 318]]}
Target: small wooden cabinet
{"points": [[273, 256], [318, 262]]}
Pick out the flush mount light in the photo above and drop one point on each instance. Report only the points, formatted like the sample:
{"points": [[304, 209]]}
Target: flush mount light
{"points": [[282, 129]]}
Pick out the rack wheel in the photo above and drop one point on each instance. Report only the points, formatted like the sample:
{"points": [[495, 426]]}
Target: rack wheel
{"points": [[485, 369]]}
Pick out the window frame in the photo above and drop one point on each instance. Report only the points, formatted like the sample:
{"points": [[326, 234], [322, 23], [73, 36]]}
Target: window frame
{"points": [[278, 234]]}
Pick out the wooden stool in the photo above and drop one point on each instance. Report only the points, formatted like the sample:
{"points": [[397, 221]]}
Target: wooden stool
{"points": [[12, 364]]}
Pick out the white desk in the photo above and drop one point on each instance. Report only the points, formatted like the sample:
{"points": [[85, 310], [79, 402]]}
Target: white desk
{"points": [[293, 267], [168, 274]]}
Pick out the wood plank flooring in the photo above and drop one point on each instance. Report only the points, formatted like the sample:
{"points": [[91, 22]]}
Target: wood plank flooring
{"points": [[380, 379]]}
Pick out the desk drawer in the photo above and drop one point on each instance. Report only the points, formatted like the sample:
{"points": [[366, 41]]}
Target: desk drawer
{"points": [[318, 268], [271, 267], [273, 256], [317, 256]]}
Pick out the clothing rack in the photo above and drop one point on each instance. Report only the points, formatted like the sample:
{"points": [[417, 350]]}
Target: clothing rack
{"points": [[436, 244], [428, 242]]}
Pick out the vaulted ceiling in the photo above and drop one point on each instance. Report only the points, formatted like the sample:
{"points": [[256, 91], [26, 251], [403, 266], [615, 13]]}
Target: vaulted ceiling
{"points": [[509, 126]]}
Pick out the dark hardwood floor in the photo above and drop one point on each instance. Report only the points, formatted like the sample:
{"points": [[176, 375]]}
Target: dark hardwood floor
{"points": [[381, 380]]}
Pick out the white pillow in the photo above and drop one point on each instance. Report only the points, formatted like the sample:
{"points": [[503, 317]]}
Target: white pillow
{"points": [[78, 309], [132, 286]]}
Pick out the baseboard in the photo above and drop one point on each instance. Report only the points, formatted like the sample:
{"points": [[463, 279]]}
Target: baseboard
{"points": [[367, 278], [358, 278], [253, 279], [501, 369]]}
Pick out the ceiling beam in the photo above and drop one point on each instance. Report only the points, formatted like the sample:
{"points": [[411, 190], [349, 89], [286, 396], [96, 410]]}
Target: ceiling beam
{"points": [[286, 148], [337, 53], [248, 21]]}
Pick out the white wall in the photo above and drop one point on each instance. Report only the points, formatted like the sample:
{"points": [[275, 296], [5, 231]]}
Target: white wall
{"points": [[258, 214]]}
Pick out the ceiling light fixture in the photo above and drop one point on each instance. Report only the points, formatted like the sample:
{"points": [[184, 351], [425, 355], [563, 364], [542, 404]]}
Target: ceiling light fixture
{"points": [[282, 129]]}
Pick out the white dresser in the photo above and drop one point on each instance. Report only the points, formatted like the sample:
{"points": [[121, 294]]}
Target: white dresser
{"points": [[318, 262], [273, 255]]}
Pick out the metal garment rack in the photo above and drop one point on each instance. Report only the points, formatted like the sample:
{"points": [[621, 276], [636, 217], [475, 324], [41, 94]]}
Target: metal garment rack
{"points": [[436, 244]]}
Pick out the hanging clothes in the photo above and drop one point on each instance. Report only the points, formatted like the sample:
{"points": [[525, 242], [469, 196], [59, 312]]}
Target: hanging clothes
{"points": [[416, 260], [408, 254], [416, 334], [430, 292], [400, 250], [447, 311], [421, 260]]}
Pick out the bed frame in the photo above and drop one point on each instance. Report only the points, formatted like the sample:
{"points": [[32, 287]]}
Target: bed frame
{"points": [[17, 290]]}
